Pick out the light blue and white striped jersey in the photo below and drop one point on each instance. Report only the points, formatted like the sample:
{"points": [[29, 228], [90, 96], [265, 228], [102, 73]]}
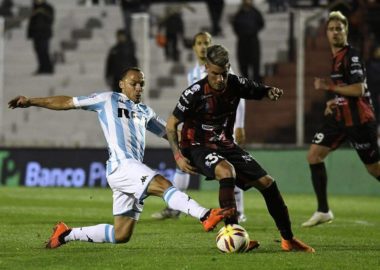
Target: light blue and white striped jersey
{"points": [[124, 124], [198, 73]]}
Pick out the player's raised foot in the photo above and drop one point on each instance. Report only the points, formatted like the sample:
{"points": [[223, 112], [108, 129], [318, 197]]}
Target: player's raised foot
{"points": [[319, 218], [215, 216], [166, 213], [57, 238], [295, 245], [253, 244]]}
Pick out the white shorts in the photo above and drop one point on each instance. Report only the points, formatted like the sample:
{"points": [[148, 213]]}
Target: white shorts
{"points": [[129, 182]]}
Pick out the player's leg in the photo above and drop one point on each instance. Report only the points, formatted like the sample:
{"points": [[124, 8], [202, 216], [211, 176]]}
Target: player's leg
{"points": [[120, 232], [225, 174], [325, 140], [126, 212], [374, 169], [316, 157], [239, 198], [279, 212], [181, 181], [178, 200], [364, 140]]}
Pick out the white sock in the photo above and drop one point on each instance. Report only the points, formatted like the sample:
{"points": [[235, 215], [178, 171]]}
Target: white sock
{"points": [[181, 180], [178, 200], [101, 233], [239, 200]]}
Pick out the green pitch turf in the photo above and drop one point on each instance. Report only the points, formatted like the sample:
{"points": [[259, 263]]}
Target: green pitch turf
{"points": [[27, 216]]}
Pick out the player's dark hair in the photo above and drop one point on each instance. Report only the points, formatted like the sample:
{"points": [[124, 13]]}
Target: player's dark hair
{"points": [[125, 72], [217, 55], [203, 33], [338, 16]]}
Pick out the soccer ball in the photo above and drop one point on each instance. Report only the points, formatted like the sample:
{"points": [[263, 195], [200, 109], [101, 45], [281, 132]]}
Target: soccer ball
{"points": [[232, 238]]}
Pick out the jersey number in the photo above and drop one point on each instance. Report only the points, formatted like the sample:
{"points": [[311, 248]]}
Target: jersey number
{"points": [[318, 138], [211, 159], [121, 112]]}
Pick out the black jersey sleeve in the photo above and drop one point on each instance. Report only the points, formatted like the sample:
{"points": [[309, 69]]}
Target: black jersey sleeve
{"points": [[248, 89], [186, 102], [354, 67]]}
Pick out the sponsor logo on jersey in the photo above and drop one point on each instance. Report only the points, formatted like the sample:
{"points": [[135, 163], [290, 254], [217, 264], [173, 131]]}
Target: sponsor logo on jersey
{"points": [[195, 88], [181, 107], [207, 127], [185, 99], [247, 158], [242, 80], [357, 71], [361, 146]]}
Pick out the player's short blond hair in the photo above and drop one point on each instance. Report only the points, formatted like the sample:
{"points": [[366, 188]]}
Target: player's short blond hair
{"points": [[203, 33], [338, 16]]}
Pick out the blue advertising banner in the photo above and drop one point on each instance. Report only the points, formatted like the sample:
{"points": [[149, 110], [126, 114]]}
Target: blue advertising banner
{"points": [[42, 167]]}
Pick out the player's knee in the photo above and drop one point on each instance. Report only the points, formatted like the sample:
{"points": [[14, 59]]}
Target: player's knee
{"points": [[122, 239], [225, 170], [374, 170], [158, 186], [264, 182], [313, 157]]}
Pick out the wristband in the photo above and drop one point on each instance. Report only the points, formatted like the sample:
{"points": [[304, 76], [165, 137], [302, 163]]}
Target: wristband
{"points": [[177, 156]]}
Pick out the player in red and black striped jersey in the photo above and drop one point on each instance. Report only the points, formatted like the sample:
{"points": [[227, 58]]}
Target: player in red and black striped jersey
{"points": [[207, 110], [349, 116]]}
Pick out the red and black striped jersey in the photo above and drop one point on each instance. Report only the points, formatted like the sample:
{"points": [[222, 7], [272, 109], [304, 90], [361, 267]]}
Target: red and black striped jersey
{"points": [[208, 115], [348, 68]]}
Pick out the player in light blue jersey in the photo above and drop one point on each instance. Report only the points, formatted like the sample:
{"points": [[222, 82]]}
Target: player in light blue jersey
{"points": [[124, 120], [181, 180]]}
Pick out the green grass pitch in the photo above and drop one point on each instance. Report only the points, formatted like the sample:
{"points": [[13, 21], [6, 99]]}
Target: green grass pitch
{"points": [[27, 216]]}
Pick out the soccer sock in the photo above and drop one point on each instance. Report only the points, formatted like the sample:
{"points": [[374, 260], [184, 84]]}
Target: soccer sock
{"points": [[278, 210], [181, 180], [227, 198], [101, 233], [179, 200], [319, 180], [239, 200]]}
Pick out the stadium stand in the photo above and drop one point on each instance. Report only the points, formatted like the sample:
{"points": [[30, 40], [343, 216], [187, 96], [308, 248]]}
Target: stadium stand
{"points": [[82, 38]]}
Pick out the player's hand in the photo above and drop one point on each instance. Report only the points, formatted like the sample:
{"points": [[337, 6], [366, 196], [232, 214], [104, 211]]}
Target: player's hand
{"points": [[275, 93], [19, 102], [240, 136], [320, 84], [184, 164]]}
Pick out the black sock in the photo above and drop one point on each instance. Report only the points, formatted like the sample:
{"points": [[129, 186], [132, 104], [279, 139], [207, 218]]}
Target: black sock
{"points": [[319, 180], [227, 198], [278, 210]]}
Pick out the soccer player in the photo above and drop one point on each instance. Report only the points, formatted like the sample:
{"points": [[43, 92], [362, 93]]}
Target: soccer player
{"points": [[181, 180], [124, 120], [207, 110], [349, 116]]}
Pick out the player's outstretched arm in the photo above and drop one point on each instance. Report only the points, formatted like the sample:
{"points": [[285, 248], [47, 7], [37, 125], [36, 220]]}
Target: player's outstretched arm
{"points": [[52, 103]]}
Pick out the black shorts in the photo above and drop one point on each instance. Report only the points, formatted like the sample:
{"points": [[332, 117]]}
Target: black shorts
{"points": [[361, 137], [246, 167]]}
